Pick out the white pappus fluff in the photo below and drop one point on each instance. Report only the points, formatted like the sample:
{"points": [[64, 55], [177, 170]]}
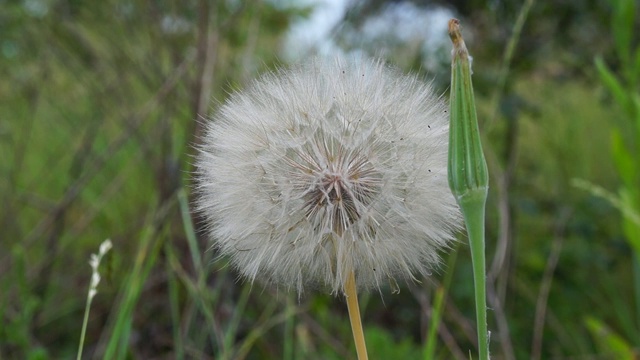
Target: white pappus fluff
{"points": [[328, 167]]}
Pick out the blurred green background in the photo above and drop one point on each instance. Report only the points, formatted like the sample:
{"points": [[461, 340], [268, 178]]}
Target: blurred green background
{"points": [[101, 105]]}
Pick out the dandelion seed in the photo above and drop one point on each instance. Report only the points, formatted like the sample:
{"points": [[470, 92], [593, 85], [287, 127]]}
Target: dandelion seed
{"points": [[325, 169]]}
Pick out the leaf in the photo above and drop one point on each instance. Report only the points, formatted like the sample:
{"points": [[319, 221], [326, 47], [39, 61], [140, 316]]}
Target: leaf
{"points": [[612, 83], [622, 158], [622, 24], [628, 211], [608, 342], [383, 345], [635, 67], [631, 221], [636, 115]]}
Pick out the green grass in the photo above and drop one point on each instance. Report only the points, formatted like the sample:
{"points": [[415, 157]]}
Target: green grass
{"points": [[96, 137]]}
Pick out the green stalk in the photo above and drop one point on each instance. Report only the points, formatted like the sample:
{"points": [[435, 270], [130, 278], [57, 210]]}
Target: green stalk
{"points": [[174, 307], [438, 307], [473, 212], [85, 321], [468, 174], [289, 335], [93, 289], [636, 287]]}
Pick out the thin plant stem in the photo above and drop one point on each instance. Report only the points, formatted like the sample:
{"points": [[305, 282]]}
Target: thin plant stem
{"points": [[354, 316], [84, 326], [438, 307], [636, 287], [174, 308], [232, 329], [190, 233], [545, 284], [506, 59], [145, 258], [288, 331], [473, 212], [266, 321], [94, 262]]}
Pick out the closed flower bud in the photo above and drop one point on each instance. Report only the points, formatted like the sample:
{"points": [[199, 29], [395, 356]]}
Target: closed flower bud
{"points": [[328, 168]]}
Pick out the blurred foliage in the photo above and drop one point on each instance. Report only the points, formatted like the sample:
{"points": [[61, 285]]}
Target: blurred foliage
{"points": [[100, 109], [625, 141]]}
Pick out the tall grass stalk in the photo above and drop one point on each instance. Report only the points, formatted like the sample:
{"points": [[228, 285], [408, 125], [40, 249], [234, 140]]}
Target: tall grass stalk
{"points": [[145, 259], [232, 328], [174, 306], [199, 291], [203, 301], [265, 322], [289, 337], [190, 233], [438, 307], [468, 174], [93, 289], [507, 57]]}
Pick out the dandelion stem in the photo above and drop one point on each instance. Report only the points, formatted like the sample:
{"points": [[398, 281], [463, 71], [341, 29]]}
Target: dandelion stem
{"points": [[354, 316]]}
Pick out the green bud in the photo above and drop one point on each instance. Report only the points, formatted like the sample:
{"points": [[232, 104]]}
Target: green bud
{"points": [[468, 173]]}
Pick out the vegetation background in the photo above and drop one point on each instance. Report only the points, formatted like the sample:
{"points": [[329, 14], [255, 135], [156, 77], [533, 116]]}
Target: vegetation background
{"points": [[100, 109]]}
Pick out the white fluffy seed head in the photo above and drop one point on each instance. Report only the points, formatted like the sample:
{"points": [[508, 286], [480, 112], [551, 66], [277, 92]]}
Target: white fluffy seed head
{"points": [[325, 168]]}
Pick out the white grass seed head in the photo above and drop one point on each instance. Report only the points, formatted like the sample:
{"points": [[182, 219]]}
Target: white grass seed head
{"points": [[325, 168]]}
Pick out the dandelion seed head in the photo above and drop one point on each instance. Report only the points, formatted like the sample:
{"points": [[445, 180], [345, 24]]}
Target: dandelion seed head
{"points": [[328, 167]]}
